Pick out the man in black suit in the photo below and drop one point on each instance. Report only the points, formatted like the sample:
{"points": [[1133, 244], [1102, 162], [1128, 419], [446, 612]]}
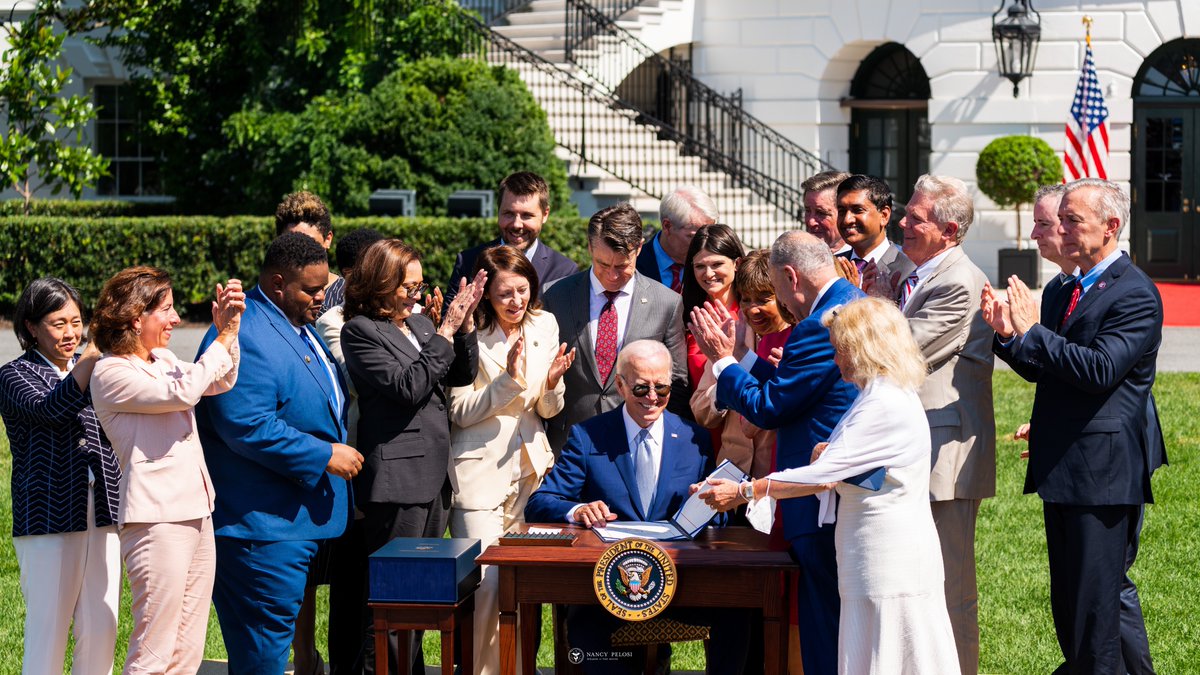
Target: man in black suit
{"points": [[681, 213], [1093, 358], [524, 208]]}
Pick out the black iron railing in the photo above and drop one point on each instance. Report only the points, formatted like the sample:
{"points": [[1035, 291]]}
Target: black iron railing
{"points": [[707, 124], [492, 11], [628, 113]]}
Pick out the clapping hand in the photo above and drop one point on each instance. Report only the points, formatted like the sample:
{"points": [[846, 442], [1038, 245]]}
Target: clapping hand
{"points": [[877, 284], [562, 362], [1022, 308], [459, 316], [995, 312], [775, 356], [715, 331], [818, 450], [1022, 434], [433, 306], [228, 307], [516, 360], [847, 270]]}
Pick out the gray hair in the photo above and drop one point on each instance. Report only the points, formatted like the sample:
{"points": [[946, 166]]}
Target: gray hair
{"points": [[1046, 191], [826, 180], [951, 201], [802, 251], [643, 349], [1110, 202], [685, 200]]}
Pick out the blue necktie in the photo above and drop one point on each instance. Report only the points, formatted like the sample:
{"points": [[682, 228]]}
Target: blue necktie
{"points": [[335, 396], [643, 467]]}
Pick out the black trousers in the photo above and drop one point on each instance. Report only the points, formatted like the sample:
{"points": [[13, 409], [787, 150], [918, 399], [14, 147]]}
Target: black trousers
{"points": [[1088, 549], [381, 524], [1135, 646]]}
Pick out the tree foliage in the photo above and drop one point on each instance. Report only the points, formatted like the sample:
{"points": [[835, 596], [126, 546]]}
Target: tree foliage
{"points": [[42, 145], [251, 99], [1012, 168]]}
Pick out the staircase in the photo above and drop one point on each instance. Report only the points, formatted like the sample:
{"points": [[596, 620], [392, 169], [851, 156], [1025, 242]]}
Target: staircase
{"points": [[627, 136]]}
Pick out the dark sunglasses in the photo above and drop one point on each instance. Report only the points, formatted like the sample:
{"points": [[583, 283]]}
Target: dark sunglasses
{"points": [[641, 390]]}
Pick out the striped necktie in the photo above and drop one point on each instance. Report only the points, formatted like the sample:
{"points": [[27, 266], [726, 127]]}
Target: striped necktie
{"points": [[909, 285]]}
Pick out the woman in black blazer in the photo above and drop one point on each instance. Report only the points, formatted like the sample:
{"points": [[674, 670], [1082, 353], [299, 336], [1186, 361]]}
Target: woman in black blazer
{"points": [[402, 366], [64, 486]]}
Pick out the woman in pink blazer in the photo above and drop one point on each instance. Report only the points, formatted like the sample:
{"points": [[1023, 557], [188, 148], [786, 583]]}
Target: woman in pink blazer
{"points": [[144, 398]]}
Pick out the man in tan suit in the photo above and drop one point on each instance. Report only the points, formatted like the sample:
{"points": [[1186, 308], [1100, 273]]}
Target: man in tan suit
{"points": [[939, 298]]}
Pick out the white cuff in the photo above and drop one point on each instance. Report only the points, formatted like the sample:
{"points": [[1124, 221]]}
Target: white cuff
{"points": [[721, 365], [571, 513]]}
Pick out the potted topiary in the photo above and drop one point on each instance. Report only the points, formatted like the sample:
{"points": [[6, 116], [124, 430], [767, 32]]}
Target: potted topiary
{"points": [[1009, 171]]}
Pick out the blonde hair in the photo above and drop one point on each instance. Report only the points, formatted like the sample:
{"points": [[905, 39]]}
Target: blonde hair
{"points": [[874, 340]]}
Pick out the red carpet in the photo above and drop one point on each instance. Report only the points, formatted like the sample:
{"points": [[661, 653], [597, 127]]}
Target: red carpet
{"points": [[1181, 304]]}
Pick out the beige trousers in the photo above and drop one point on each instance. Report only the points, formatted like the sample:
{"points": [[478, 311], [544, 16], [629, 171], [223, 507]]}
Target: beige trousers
{"points": [[171, 568], [487, 526], [955, 521], [72, 575]]}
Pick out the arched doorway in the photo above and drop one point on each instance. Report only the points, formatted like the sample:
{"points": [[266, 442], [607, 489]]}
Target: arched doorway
{"points": [[889, 121], [1165, 234]]}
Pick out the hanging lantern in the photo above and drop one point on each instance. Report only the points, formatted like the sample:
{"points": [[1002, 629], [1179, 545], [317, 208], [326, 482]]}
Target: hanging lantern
{"points": [[1016, 37]]}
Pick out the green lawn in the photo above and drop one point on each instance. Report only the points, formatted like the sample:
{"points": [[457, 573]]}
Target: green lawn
{"points": [[1014, 611]]}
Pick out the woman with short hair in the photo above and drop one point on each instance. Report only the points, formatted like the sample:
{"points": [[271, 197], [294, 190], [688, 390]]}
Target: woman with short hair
{"points": [[64, 486], [145, 398]]}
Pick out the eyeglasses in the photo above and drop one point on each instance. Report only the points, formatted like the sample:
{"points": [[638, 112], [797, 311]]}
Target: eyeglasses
{"points": [[415, 291], [640, 390]]}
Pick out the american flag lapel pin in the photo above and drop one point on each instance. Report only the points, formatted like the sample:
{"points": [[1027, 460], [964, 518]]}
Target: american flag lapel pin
{"points": [[307, 359], [674, 435], [1102, 284], [644, 301]]}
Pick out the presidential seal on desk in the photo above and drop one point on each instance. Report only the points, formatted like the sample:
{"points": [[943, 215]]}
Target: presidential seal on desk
{"points": [[634, 579]]}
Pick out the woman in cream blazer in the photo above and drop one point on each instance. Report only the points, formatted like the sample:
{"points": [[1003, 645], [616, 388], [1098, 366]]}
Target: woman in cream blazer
{"points": [[144, 397], [497, 441]]}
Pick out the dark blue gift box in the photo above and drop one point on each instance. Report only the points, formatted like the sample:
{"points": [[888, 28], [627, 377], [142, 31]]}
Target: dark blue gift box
{"points": [[424, 570]]}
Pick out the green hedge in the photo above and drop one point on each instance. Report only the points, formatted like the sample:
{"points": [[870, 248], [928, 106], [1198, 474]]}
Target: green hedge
{"points": [[199, 251], [86, 208]]}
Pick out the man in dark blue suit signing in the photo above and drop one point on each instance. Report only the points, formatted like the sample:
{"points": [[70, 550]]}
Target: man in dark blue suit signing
{"points": [[636, 462], [275, 447], [803, 398], [1093, 357]]}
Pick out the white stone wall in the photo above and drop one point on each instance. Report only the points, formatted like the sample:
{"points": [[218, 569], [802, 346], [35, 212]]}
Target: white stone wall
{"points": [[794, 60]]}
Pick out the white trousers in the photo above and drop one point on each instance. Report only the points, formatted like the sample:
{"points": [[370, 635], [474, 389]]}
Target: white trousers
{"points": [[487, 526], [72, 575]]}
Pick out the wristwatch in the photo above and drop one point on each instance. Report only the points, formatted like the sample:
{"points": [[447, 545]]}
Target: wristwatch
{"points": [[747, 490]]}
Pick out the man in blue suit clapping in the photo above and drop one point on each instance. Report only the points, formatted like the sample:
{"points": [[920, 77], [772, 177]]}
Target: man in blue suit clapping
{"points": [[803, 397], [636, 462], [274, 446]]}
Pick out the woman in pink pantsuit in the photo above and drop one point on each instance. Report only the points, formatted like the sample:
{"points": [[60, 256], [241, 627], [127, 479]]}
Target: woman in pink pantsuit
{"points": [[144, 397]]}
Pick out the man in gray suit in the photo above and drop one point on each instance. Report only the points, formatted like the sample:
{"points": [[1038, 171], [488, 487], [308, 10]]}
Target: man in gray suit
{"points": [[939, 298], [864, 207], [608, 305]]}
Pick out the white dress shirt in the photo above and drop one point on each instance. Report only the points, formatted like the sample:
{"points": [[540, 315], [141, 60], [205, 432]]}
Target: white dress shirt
{"points": [[926, 269], [623, 302], [874, 254], [655, 441]]}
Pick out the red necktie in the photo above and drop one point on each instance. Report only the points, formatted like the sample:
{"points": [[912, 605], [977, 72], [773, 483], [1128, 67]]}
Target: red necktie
{"points": [[909, 285], [677, 277], [1075, 293], [606, 336]]}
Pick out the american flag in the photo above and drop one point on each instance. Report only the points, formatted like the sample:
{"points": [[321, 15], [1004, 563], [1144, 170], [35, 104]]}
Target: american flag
{"points": [[1087, 129]]}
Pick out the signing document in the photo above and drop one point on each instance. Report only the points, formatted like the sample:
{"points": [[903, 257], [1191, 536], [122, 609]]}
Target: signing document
{"points": [[692, 517]]}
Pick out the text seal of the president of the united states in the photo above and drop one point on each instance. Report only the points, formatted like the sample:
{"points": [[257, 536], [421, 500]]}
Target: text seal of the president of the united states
{"points": [[634, 579]]}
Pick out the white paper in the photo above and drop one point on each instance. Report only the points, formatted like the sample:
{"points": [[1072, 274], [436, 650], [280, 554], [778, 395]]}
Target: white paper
{"points": [[654, 531], [695, 514]]}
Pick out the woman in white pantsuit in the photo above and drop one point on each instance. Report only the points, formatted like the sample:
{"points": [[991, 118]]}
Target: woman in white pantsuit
{"points": [[64, 487], [497, 442], [890, 574]]}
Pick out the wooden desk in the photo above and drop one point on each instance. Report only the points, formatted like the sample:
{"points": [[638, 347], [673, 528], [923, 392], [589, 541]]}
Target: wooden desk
{"points": [[723, 567]]}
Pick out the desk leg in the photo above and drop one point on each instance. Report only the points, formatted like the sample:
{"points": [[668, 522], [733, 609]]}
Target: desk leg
{"points": [[448, 652], [466, 636], [526, 621], [776, 593], [404, 655], [381, 644], [508, 620]]}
